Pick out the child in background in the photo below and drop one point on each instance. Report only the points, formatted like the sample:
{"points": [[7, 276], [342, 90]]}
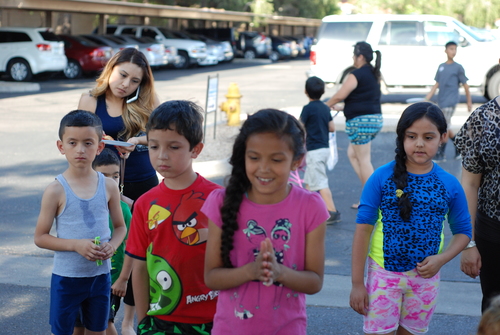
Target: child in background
{"points": [[168, 231], [108, 163], [80, 201], [266, 237], [407, 201], [490, 321], [448, 78], [317, 119]]}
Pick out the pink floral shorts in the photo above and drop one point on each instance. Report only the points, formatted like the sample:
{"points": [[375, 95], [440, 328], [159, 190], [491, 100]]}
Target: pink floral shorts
{"points": [[399, 299]]}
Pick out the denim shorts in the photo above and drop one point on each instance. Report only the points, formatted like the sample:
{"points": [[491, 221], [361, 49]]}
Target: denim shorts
{"points": [[363, 129]]}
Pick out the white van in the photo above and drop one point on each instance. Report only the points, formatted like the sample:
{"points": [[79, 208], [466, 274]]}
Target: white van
{"points": [[412, 48]]}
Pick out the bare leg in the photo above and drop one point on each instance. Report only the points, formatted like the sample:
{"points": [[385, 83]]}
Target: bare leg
{"points": [[402, 331], [360, 157], [111, 329], [326, 194], [128, 320], [78, 331]]}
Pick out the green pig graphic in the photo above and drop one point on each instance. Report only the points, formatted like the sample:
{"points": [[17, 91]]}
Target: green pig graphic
{"points": [[165, 286]]}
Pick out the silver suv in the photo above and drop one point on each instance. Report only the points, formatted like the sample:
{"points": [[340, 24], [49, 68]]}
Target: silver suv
{"points": [[189, 52], [28, 51], [412, 48]]}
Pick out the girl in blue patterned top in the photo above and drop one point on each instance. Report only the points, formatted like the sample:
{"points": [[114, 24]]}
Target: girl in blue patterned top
{"points": [[406, 202]]}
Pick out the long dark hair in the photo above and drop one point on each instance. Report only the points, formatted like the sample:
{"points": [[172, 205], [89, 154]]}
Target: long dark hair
{"points": [[273, 121], [365, 49], [411, 114]]}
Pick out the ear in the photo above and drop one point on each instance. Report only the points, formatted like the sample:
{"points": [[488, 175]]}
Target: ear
{"points": [[197, 150], [100, 147], [298, 162], [59, 145], [444, 138]]}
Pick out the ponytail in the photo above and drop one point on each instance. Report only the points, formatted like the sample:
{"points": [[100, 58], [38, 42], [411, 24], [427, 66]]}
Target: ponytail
{"points": [[378, 64]]}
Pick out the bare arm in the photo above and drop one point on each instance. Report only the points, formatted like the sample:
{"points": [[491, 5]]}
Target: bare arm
{"points": [[119, 287], [115, 211], [140, 285], [347, 87], [52, 202], [429, 95], [470, 262], [468, 97], [87, 103], [331, 126], [360, 244]]}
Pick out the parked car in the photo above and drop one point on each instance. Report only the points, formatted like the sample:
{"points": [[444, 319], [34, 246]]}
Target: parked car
{"points": [[111, 41], [28, 51], [282, 48], [299, 45], [230, 35], [84, 56], [252, 44], [189, 52], [227, 48], [215, 51], [154, 51], [412, 47]]}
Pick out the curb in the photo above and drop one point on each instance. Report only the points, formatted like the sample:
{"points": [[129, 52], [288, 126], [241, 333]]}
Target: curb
{"points": [[16, 87]]}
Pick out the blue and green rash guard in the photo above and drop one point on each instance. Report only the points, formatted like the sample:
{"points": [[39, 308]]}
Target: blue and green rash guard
{"points": [[397, 245]]}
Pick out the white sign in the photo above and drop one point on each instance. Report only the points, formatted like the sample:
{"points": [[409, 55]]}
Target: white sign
{"points": [[212, 91]]}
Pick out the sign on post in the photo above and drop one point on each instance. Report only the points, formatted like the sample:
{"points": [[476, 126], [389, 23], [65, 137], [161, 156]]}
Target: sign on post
{"points": [[211, 102]]}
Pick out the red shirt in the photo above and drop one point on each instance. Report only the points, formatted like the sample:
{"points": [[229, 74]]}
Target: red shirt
{"points": [[169, 232]]}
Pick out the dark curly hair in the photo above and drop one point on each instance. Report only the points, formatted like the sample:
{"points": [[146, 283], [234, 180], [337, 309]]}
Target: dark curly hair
{"points": [[264, 121], [411, 114]]}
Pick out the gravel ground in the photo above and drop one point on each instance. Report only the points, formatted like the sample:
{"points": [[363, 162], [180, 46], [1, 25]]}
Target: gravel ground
{"points": [[220, 147]]}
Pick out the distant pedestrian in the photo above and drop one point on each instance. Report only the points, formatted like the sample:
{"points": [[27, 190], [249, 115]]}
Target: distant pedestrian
{"points": [[448, 78], [266, 237], [407, 202], [80, 202], [490, 321], [361, 95], [317, 119]]}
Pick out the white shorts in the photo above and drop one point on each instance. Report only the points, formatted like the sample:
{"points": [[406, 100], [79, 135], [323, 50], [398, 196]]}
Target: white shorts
{"points": [[315, 176]]}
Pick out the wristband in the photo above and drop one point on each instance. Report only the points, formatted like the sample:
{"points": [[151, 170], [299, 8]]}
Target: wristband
{"points": [[471, 244]]}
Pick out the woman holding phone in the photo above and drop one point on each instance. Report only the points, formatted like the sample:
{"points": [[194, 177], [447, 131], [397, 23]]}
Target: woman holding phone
{"points": [[123, 98]]}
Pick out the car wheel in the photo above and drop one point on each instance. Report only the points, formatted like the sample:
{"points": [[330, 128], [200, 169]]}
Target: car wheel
{"points": [[493, 88], [183, 62], [274, 56], [249, 54], [19, 70], [73, 69]]}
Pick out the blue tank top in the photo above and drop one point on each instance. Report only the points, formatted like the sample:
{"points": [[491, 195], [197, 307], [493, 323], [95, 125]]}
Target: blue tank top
{"points": [[82, 219], [137, 167]]}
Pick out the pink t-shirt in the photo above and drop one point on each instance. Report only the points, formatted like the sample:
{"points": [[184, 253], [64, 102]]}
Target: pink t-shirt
{"points": [[253, 308]]}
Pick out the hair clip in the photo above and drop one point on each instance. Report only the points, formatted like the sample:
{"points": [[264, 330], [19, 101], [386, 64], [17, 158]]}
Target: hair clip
{"points": [[399, 193]]}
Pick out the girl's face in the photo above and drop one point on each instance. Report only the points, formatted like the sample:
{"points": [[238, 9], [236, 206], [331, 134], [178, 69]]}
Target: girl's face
{"points": [[124, 79], [268, 161], [421, 143]]}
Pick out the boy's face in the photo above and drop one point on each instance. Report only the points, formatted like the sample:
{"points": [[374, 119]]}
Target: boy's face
{"points": [[111, 171], [80, 145], [451, 51], [170, 155]]}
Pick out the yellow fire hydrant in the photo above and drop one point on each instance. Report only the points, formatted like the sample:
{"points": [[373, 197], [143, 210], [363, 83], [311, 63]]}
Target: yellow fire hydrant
{"points": [[232, 105]]}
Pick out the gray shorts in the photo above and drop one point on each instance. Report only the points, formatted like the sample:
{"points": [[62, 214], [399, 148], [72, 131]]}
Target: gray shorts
{"points": [[315, 176], [448, 113]]}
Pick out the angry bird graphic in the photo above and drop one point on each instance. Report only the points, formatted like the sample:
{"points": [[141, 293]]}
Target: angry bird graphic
{"points": [[189, 226], [157, 215], [165, 288]]}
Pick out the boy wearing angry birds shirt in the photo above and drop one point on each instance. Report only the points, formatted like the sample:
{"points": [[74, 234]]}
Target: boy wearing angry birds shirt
{"points": [[168, 232]]}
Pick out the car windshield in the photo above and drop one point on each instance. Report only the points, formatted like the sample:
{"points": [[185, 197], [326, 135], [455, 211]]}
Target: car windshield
{"points": [[471, 32], [167, 33], [49, 36]]}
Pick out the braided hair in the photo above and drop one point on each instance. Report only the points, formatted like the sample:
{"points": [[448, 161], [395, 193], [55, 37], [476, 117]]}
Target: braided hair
{"points": [[411, 114], [264, 121]]}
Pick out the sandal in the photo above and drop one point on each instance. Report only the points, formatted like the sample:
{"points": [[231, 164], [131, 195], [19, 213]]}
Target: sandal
{"points": [[355, 206]]}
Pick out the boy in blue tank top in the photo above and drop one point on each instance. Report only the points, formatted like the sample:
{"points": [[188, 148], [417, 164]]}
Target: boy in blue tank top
{"points": [[80, 201]]}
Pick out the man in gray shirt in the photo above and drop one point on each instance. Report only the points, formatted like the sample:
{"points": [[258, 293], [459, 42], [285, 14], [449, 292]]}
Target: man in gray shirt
{"points": [[448, 78]]}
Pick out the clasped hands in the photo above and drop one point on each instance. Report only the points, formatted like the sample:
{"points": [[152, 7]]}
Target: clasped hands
{"points": [[92, 252], [265, 267]]}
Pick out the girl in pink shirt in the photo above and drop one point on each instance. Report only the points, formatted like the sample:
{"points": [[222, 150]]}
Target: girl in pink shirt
{"points": [[266, 237]]}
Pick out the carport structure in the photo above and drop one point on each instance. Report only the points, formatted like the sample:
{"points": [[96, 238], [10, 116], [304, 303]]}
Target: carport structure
{"points": [[202, 17]]}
